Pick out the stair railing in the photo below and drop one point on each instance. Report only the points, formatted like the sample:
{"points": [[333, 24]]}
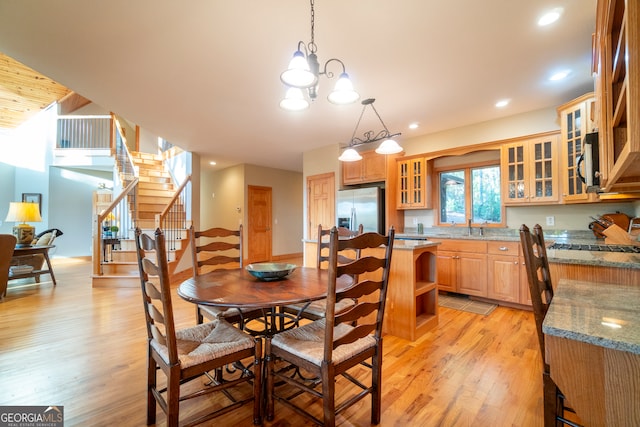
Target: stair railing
{"points": [[117, 212], [174, 218]]}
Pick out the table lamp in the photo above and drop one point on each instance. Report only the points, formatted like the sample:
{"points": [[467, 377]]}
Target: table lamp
{"points": [[24, 212]]}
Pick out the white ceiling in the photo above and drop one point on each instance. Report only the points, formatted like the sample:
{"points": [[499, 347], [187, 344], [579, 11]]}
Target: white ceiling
{"points": [[204, 74]]}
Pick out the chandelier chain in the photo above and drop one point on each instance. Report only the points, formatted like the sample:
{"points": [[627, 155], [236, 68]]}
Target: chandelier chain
{"points": [[312, 44]]}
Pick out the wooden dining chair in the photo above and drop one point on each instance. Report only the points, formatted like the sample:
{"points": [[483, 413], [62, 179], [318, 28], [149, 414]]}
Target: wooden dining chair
{"points": [[541, 290], [316, 309], [7, 245], [188, 354], [327, 349], [213, 249]]}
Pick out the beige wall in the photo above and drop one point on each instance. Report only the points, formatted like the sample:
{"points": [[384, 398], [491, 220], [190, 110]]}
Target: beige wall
{"points": [[567, 217], [223, 192], [286, 199]]}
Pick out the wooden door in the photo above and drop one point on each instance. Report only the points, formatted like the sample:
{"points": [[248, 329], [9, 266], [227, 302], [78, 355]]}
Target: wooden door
{"points": [[259, 234], [321, 190]]}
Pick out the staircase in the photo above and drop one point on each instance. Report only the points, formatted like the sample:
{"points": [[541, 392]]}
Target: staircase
{"points": [[155, 191]]}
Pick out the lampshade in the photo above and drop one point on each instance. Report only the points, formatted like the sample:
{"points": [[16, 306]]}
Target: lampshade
{"points": [[350, 155], [23, 212], [343, 92], [298, 74], [294, 100], [388, 146]]}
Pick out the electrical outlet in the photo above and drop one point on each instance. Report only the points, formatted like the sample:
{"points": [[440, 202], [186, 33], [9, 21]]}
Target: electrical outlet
{"points": [[415, 221], [551, 220]]}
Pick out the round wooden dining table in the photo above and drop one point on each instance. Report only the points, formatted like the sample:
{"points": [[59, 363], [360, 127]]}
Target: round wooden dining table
{"points": [[238, 288]]}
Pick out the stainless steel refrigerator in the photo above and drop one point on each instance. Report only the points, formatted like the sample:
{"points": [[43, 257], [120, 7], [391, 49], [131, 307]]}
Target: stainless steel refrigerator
{"points": [[361, 206]]}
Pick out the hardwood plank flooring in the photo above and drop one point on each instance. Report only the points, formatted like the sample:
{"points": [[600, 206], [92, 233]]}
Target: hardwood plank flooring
{"points": [[85, 348]]}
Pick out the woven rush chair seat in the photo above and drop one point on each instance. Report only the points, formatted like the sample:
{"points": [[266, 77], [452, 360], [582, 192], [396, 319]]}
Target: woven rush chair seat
{"points": [[200, 343]]}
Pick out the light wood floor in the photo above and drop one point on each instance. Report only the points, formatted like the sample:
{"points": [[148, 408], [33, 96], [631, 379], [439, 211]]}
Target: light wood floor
{"points": [[84, 348]]}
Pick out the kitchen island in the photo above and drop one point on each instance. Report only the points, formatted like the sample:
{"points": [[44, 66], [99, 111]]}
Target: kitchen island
{"points": [[592, 339], [412, 296]]}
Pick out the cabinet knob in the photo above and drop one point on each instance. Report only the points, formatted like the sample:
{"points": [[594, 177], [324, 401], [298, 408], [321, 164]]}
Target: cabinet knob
{"points": [[515, 262], [503, 248]]}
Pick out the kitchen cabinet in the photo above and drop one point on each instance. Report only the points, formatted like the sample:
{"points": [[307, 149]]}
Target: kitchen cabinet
{"points": [[412, 296], [503, 271], [413, 183], [529, 170], [577, 118], [617, 68], [462, 266], [372, 168]]}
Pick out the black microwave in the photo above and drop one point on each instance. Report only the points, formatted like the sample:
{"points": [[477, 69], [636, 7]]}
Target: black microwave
{"points": [[589, 163]]}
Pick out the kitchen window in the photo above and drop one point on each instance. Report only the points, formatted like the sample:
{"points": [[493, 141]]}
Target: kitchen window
{"points": [[470, 193]]}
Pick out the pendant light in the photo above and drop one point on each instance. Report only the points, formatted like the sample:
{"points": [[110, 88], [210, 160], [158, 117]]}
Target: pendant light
{"points": [[388, 145]]}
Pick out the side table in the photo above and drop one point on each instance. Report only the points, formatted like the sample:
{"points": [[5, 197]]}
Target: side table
{"points": [[34, 250]]}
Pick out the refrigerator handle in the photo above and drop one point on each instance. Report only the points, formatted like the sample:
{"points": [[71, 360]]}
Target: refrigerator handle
{"points": [[354, 218]]}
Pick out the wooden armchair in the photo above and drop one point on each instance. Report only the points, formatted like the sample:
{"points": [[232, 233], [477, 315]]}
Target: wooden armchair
{"points": [[541, 289], [328, 349], [188, 354], [7, 244]]}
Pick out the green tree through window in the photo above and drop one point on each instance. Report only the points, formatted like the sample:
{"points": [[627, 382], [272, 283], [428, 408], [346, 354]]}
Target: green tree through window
{"points": [[482, 184]]}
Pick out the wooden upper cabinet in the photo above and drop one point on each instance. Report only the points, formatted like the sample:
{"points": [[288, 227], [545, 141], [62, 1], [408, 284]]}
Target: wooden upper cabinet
{"points": [[413, 184], [372, 168], [529, 170], [617, 67], [577, 118]]}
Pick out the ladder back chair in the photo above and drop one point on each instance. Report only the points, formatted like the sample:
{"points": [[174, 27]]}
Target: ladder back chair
{"points": [[325, 350], [316, 309], [213, 249], [188, 354], [541, 290]]}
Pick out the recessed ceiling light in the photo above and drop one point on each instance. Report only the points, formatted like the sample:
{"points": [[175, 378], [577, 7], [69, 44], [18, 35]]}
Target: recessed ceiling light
{"points": [[559, 75], [502, 103], [550, 17], [413, 126], [212, 163]]}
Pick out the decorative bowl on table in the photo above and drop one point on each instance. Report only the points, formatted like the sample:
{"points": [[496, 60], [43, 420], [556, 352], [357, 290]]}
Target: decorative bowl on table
{"points": [[270, 270]]}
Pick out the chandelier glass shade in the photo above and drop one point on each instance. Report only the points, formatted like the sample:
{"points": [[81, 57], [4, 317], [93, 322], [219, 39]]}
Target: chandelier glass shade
{"points": [[304, 73], [388, 145]]}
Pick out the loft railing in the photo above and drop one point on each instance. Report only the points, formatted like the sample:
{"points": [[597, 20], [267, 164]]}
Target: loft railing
{"points": [[173, 219], [84, 132]]}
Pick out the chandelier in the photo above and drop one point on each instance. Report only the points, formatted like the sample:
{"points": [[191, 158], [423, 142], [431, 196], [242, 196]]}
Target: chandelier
{"points": [[388, 146], [303, 75]]}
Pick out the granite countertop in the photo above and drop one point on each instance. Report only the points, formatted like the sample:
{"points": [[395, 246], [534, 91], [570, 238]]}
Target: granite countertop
{"points": [[559, 256], [413, 244], [602, 314]]}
